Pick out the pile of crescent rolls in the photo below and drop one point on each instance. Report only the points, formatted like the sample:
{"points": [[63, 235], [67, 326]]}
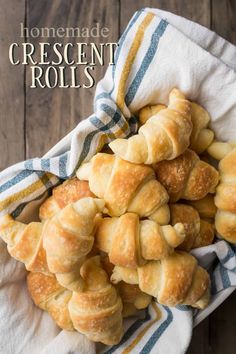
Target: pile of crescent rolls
{"points": [[119, 234]]}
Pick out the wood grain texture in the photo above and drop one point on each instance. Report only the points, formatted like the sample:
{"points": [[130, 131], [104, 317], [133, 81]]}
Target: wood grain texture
{"points": [[223, 327], [224, 19], [12, 144], [198, 11], [52, 113]]}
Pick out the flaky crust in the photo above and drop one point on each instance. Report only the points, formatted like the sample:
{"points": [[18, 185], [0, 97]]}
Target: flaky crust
{"points": [[97, 311], [50, 296], [199, 232], [68, 192], [68, 237], [24, 243], [225, 199], [189, 217], [130, 242], [133, 298], [126, 187], [187, 177], [206, 235], [201, 136], [175, 280], [206, 206], [163, 136]]}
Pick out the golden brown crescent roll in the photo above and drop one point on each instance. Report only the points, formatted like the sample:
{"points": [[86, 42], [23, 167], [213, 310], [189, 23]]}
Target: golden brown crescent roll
{"points": [[198, 232], [225, 199], [130, 242], [206, 235], [24, 243], [68, 237], [132, 297], [126, 187], [97, 311], [205, 206], [50, 296], [164, 136], [147, 112], [201, 137], [218, 149], [68, 192], [175, 280], [187, 177]]}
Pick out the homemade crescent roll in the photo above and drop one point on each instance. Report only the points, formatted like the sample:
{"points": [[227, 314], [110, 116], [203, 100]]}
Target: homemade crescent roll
{"points": [[130, 242], [132, 297], [225, 199], [218, 150], [174, 280], [201, 137], [187, 177], [68, 237], [50, 296], [66, 193], [164, 136], [199, 233], [126, 187], [97, 311], [205, 206], [24, 243]]}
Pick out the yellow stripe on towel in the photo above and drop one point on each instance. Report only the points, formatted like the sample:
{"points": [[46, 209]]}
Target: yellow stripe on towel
{"points": [[144, 331], [130, 59], [25, 192]]}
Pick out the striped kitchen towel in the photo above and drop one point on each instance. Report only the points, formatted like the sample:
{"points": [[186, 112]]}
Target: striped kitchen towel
{"points": [[157, 51]]}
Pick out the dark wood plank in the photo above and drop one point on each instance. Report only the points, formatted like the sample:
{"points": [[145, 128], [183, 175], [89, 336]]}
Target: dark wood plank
{"points": [[223, 327], [51, 113], [12, 145], [224, 18], [198, 11]]}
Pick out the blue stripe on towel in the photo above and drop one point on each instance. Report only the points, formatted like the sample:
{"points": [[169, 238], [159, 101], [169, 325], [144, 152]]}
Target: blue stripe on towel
{"points": [[224, 277], [120, 44], [146, 61], [45, 164], [229, 255], [131, 330], [29, 164], [15, 180], [158, 332], [62, 165]]}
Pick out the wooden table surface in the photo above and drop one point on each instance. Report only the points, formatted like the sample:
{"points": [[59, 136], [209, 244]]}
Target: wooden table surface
{"points": [[33, 120]]}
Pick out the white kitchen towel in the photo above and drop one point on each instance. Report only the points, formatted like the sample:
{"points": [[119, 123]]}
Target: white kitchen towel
{"points": [[157, 51]]}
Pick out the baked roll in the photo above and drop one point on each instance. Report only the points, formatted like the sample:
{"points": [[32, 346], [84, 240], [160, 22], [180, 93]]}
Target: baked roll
{"points": [[201, 136], [68, 238], [66, 193], [187, 177], [198, 232], [174, 280], [24, 243], [50, 296], [126, 187], [130, 242], [97, 310], [225, 199], [164, 136], [133, 299]]}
